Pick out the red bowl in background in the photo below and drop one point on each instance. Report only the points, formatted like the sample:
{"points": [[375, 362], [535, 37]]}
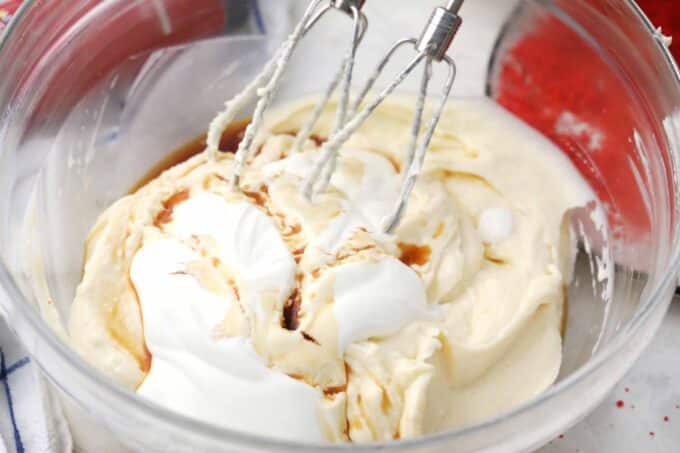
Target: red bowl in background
{"points": [[558, 83]]}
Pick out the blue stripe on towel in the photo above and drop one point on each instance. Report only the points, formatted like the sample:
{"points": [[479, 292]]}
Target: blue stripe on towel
{"points": [[4, 374], [17, 365]]}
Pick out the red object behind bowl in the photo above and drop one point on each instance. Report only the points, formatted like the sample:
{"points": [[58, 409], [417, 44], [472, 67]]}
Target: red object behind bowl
{"points": [[554, 80]]}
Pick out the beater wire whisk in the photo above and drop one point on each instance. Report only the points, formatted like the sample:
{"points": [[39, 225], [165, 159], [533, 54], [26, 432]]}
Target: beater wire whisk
{"points": [[267, 81], [431, 47]]}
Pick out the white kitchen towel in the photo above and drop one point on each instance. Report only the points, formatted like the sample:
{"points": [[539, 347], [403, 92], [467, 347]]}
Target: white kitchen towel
{"points": [[30, 421]]}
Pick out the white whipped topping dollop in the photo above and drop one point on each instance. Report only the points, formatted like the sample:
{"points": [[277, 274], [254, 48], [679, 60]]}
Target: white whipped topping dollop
{"points": [[222, 381], [247, 240], [495, 225], [376, 299]]}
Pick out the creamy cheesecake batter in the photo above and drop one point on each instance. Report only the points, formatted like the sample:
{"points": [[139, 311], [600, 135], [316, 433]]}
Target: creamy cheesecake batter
{"points": [[263, 312]]}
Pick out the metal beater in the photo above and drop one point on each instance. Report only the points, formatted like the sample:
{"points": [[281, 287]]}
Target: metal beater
{"points": [[430, 48], [267, 81]]}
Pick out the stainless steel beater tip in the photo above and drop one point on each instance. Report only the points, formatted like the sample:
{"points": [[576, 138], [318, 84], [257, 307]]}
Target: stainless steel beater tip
{"points": [[351, 7], [454, 6], [440, 31], [347, 5]]}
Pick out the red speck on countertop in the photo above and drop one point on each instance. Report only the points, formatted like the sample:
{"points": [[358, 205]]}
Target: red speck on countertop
{"points": [[651, 433], [626, 390], [619, 403], [561, 436], [666, 418]]}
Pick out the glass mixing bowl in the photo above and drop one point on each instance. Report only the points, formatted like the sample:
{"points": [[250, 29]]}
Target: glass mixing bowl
{"points": [[94, 93]]}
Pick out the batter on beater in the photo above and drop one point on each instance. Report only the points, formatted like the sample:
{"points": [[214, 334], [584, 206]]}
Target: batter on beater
{"points": [[264, 311]]}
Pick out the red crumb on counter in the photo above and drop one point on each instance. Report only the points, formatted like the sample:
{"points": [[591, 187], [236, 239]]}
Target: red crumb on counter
{"points": [[619, 403]]}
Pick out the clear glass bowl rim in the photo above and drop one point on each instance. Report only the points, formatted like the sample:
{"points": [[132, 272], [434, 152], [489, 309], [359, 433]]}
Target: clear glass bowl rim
{"points": [[218, 435]]}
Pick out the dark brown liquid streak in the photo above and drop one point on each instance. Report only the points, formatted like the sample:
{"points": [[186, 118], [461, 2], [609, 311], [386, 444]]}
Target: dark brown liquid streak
{"points": [[228, 143]]}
